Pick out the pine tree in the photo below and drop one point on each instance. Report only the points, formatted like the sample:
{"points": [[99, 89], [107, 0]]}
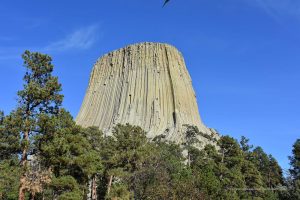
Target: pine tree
{"points": [[245, 146], [204, 165], [9, 169], [9, 173], [295, 170], [253, 180], [96, 139], [230, 166], [40, 95], [252, 177], [164, 175], [1, 119], [261, 160], [295, 160], [123, 155], [270, 171], [65, 149], [191, 136], [9, 136], [275, 173]]}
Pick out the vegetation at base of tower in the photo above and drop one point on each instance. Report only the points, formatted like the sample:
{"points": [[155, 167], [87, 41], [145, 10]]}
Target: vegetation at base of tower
{"points": [[45, 155], [294, 180]]}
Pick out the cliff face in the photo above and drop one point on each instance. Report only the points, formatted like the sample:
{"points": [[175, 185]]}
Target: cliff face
{"points": [[145, 84]]}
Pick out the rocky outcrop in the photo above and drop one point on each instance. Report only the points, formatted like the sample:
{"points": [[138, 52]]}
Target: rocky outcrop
{"points": [[145, 84]]}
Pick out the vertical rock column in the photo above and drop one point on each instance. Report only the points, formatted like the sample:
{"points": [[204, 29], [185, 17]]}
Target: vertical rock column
{"points": [[145, 84]]}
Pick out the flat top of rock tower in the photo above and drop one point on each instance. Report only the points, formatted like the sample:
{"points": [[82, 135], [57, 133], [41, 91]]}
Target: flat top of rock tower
{"points": [[146, 44], [140, 44]]}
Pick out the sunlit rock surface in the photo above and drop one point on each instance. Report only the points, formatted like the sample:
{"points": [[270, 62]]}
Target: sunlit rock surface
{"points": [[145, 84]]}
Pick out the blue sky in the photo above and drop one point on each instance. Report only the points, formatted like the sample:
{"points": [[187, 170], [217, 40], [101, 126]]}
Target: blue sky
{"points": [[243, 55]]}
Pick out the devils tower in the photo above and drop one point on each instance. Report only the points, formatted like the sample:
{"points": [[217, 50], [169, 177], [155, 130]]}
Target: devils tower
{"points": [[145, 84]]}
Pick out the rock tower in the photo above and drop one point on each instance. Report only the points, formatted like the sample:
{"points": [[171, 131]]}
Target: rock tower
{"points": [[145, 84]]}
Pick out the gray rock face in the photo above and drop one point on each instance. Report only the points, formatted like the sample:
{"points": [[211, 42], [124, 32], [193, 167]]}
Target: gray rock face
{"points": [[145, 84]]}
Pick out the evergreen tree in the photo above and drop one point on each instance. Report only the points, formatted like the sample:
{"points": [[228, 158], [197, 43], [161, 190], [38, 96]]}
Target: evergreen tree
{"points": [[253, 180], [229, 168], [9, 136], [40, 95], [164, 175], [295, 161], [96, 139], [123, 155], [9, 173], [275, 171], [261, 160], [137, 168], [252, 177], [270, 171], [191, 136], [295, 170], [245, 146], [65, 149], [204, 165], [1, 117]]}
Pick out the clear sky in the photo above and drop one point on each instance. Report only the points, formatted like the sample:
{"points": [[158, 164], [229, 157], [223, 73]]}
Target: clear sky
{"points": [[243, 55]]}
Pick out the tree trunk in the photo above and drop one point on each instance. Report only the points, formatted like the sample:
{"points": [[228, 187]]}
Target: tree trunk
{"points": [[189, 159], [22, 188], [222, 161], [223, 155], [94, 188], [55, 196], [32, 196], [109, 184], [23, 166], [89, 191], [269, 178]]}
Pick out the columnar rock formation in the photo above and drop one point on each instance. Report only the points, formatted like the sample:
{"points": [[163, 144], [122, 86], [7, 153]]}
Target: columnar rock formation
{"points": [[145, 84]]}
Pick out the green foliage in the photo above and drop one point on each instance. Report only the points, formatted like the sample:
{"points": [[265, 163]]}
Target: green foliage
{"points": [[9, 183], [41, 89], [124, 153], [129, 144], [95, 137], [294, 189], [245, 146], [252, 177], [143, 169], [295, 161], [67, 150], [40, 96], [66, 188], [120, 191], [231, 172], [1, 118], [71, 196], [10, 136], [268, 167], [191, 135], [162, 173]]}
